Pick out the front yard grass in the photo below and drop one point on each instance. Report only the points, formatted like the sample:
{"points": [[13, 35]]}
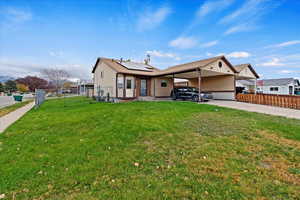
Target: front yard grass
{"points": [[75, 148]]}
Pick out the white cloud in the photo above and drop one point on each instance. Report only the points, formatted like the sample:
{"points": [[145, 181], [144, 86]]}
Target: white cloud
{"points": [[210, 44], [239, 28], [213, 7], [249, 8], [13, 18], [285, 44], [239, 54], [246, 17], [285, 72], [183, 42], [56, 53], [20, 68], [161, 54], [209, 54], [17, 15], [151, 19], [273, 63]]}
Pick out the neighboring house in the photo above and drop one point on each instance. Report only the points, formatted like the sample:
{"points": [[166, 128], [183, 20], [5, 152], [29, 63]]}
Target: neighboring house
{"points": [[129, 80], [283, 86], [86, 89]]}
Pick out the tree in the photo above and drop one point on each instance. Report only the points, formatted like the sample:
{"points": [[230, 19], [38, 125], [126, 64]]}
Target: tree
{"points": [[22, 88], [68, 85], [33, 82], [57, 77], [10, 86], [1, 87]]}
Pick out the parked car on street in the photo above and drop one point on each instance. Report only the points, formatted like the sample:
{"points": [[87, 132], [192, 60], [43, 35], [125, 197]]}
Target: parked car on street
{"points": [[190, 93]]}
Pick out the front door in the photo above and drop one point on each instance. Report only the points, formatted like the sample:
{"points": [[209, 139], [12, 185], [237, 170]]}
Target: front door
{"points": [[291, 90], [143, 90]]}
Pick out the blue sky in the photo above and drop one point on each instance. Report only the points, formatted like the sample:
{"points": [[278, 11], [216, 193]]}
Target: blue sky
{"points": [[71, 34]]}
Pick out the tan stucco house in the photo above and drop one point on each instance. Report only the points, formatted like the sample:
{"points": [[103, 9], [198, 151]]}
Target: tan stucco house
{"points": [[130, 80]]}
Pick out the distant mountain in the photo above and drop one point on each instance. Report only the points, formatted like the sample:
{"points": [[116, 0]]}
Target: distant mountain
{"points": [[5, 78]]}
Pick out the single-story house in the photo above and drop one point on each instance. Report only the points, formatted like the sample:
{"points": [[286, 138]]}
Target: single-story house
{"points": [[124, 79], [282, 86]]}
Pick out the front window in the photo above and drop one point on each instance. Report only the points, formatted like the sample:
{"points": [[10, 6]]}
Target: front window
{"points": [[128, 84], [163, 83], [120, 82], [274, 89]]}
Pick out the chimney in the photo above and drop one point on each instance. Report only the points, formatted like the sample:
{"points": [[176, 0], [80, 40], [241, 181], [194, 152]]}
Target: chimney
{"points": [[147, 60]]}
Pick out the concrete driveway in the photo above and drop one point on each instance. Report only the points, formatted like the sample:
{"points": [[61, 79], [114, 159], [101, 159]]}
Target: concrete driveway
{"points": [[271, 110], [6, 101]]}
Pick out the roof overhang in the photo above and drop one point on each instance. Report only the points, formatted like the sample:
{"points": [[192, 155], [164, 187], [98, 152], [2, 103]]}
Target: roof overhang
{"points": [[96, 64]]}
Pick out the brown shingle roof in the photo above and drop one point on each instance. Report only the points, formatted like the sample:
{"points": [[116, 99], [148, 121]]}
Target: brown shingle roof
{"points": [[114, 64], [194, 65]]}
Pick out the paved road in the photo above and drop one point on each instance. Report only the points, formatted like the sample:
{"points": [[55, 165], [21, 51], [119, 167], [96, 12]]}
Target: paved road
{"points": [[6, 101], [271, 110]]}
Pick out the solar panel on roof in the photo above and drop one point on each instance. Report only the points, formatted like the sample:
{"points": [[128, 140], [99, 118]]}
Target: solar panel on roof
{"points": [[136, 66]]}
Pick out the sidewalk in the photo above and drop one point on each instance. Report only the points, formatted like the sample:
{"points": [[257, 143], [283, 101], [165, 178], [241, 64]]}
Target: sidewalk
{"points": [[271, 110], [11, 117]]}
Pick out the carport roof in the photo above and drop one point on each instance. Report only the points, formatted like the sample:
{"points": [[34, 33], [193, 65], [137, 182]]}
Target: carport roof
{"points": [[194, 65]]}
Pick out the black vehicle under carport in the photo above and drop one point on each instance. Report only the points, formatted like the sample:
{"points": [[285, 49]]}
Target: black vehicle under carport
{"points": [[190, 93]]}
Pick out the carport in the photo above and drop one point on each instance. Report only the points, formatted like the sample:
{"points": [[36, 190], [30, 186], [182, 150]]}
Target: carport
{"points": [[215, 75], [245, 72]]}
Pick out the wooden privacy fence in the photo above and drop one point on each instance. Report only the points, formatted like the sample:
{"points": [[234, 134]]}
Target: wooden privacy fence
{"points": [[286, 101]]}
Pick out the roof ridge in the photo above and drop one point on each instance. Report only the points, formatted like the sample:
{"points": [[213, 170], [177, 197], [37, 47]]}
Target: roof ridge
{"points": [[212, 58]]}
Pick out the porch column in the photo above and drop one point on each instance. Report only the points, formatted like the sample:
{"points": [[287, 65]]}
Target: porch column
{"points": [[173, 81], [255, 86], [154, 85], [124, 88], [117, 85], [199, 84]]}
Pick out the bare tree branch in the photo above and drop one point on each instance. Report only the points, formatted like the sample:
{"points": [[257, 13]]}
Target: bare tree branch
{"points": [[57, 77]]}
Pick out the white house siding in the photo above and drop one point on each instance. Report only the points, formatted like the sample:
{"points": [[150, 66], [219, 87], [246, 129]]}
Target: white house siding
{"points": [[282, 90], [105, 83]]}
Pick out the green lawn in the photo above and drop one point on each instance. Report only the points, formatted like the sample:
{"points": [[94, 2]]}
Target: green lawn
{"points": [[8, 109], [75, 148]]}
